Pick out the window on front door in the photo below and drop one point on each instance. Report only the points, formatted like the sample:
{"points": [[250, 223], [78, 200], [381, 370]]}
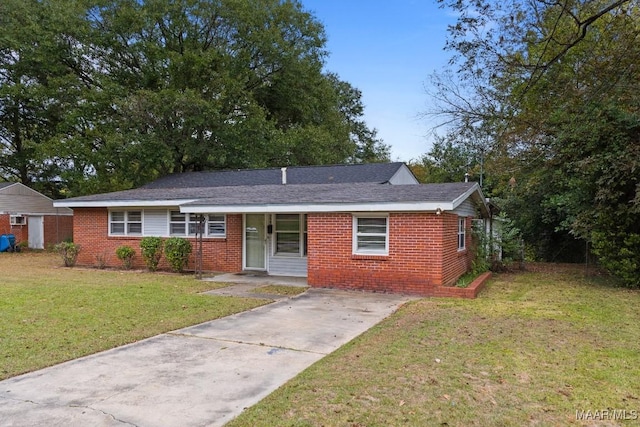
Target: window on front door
{"points": [[291, 235]]}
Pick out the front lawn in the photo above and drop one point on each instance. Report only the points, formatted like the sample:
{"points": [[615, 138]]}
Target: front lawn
{"points": [[50, 313], [534, 349]]}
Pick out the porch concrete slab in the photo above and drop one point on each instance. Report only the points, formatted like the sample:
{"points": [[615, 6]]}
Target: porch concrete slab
{"points": [[200, 375], [258, 279], [247, 290]]}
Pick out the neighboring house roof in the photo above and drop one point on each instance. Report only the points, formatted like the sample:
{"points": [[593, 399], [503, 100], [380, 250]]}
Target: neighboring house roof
{"points": [[380, 173], [17, 198], [292, 198]]}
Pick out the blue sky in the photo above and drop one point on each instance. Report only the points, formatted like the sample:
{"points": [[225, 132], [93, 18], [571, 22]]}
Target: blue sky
{"points": [[387, 49]]}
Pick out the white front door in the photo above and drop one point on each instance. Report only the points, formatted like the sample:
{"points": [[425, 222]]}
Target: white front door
{"points": [[255, 242], [36, 232]]}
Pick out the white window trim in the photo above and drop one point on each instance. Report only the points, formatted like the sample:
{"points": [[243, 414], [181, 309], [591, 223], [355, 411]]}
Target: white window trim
{"points": [[167, 225], [188, 220], [224, 222], [462, 232], [302, 231], [126, 223], [17, 219], [355, 235]]}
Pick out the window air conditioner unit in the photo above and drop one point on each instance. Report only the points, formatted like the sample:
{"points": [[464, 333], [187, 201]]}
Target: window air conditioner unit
{"points": [[18, 220]]}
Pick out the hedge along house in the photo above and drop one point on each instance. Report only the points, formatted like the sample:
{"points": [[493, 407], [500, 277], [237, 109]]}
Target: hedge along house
{"points": [[31, 216], [370, 226]]}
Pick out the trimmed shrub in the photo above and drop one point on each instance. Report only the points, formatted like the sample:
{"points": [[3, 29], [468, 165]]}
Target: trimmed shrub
{"points": [[126, 254], [151, 251], [69, 252], [177, 250]]}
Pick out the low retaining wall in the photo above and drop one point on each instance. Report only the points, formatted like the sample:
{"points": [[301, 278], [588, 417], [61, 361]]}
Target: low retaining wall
{"points": [[470, 291]]}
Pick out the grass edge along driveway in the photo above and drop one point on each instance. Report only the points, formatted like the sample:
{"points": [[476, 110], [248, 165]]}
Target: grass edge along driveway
{"points": [[540, 348], [51, 314]]}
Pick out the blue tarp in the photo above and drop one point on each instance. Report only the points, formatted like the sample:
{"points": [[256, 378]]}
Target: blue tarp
{"points": [[7, 242]]}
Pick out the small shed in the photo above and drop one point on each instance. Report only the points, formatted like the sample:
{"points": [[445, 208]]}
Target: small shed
{"points": [[31, 216]]}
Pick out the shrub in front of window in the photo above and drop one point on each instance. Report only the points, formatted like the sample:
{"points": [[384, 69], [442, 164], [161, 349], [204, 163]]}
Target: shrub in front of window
{"points": [[69, 252], [126, 254], [151, 251], [177, 251]]}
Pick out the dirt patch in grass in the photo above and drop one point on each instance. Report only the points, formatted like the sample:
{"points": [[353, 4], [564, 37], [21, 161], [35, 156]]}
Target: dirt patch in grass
{"points": [[532, 349], [280, 290], [51, 313]]}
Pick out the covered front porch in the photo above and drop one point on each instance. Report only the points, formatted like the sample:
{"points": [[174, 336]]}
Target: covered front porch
{"points": [[275, 243]]}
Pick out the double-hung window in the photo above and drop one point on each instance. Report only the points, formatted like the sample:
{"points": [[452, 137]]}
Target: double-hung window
{"points": [[125, 223], [291, 235], [371, 235], [184, 224], [461, 233]]}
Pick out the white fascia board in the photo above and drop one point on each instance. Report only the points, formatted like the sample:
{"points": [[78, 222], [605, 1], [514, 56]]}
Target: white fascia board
{"points": [[319, 208], [121, 203]]}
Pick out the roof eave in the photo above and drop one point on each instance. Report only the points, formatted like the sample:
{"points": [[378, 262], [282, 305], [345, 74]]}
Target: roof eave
{"points": [[120, 203], [479, 199], [320, 207]]}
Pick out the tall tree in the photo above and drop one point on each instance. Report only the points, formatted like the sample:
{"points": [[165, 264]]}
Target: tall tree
{"points": [[115, 93], [557, 83]]}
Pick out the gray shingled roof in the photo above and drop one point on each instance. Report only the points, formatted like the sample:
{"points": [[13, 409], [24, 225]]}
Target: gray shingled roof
{"points": [[329, 193], [379, 173], [289, 194], [6, 184]]}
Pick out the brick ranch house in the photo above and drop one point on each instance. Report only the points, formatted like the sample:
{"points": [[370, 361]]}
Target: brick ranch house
{"points": [[31, 217], [368, 226]]}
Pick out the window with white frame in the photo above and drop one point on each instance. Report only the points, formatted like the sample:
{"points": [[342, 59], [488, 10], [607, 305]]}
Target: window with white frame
{"points": [[216, 225], [125, 223], [18, 220], [184, 224], [291, 235], [370, 235], [461, 233], [177, 223]]}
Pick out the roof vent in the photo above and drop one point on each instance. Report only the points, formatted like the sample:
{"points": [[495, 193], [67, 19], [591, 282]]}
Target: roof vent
{"points": [[284, 176]]}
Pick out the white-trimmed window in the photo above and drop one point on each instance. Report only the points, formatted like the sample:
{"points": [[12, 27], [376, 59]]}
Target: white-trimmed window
{"points": [[461, 233], [125, 223], [18, 220], [216, 225], [291, 235], [370, 235], [184, 224]]}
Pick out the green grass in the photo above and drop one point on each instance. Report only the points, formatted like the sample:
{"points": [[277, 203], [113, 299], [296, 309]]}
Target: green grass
{"points": [[280, 290], [533, 349], [50, 313]]}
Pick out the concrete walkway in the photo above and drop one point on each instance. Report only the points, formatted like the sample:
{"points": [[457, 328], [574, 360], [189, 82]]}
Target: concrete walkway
{"points": [[203, 375]]}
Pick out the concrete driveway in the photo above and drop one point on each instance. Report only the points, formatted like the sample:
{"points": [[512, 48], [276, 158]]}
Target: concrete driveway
{"points": [[203, 375]]}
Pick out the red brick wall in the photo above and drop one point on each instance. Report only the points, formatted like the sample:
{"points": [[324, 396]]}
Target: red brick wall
{"points": [[56, 229], [90, 230], [423, 251], [423, 254], [455, 263], [19, 231]]}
